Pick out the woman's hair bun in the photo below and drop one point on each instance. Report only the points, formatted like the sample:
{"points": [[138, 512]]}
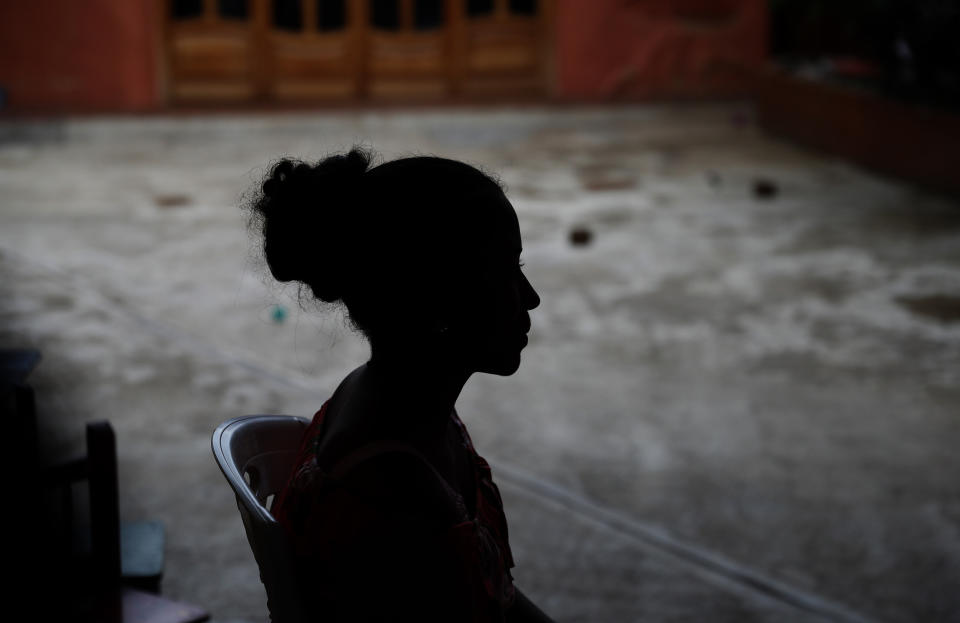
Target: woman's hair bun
{"points": [[306, 213]]}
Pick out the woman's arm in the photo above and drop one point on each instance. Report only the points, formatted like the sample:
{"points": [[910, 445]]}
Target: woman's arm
{"points": [[403, 570]]}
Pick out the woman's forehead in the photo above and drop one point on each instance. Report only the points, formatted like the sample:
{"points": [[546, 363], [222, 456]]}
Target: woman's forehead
{"points": [[503, 226], [485, 228]]}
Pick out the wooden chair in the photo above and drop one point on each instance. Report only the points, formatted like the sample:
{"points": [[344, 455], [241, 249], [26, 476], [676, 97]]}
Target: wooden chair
{"points": [[93, 582]]}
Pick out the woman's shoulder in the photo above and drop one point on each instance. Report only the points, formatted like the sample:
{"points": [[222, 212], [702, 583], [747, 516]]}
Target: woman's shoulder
{"points": [[397, 482]]}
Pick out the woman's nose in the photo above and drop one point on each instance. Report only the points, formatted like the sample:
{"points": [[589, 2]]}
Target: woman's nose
{"points": [[531, 300]]}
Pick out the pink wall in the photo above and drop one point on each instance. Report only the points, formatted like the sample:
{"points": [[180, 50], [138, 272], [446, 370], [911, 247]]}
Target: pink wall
{"points": [[79, 55], [651, 48]]}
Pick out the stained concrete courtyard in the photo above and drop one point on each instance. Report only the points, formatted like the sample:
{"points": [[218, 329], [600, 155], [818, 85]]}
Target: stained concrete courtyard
{"points": [[733, 407]]}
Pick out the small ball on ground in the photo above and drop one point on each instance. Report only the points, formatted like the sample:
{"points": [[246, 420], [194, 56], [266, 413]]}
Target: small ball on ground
{"points": [[765, 189], [580, 236]]}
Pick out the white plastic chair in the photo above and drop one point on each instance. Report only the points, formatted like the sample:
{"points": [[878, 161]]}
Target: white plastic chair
{"points": [[263, 448]]}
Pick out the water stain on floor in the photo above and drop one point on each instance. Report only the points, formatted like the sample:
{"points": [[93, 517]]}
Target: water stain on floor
{"points": [[602, 178], [940, 307], [917, 218], [172, 201]]}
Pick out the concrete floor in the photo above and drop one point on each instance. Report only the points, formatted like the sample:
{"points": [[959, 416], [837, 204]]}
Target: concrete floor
{"points": [[731, 408]]}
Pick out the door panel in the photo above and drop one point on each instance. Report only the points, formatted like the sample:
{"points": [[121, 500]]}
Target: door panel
{"points": [[318, 59], [407, 49], [209, 56], [504, 48]]}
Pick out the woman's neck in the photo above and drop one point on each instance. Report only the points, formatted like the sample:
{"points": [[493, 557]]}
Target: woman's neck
{"points": [[426, 382]]}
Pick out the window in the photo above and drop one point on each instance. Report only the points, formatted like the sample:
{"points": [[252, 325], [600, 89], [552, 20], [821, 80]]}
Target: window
{"points": [[427, 14], [185, 9], [385, 14], [232, 9], [523, 7], [288, 15], [479, 7], [331, 14]]}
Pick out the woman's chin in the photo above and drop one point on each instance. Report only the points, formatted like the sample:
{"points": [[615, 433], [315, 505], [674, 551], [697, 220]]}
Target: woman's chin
{"points": [[503, 366]]}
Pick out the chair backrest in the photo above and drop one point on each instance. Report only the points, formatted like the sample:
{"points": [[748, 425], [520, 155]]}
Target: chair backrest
{"points": [[256, 454]]}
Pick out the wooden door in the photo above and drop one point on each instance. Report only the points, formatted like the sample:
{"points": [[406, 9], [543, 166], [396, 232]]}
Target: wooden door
{"points": [[323, 50], [503, 47], [210, 50], [313, 50], [408, 47]]}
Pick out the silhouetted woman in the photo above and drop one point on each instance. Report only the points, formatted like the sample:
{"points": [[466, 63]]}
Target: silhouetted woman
{"points": [[392, 514]]}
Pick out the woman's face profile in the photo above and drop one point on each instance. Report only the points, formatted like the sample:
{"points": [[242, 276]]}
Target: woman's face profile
{"points": [[495, 307]]}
